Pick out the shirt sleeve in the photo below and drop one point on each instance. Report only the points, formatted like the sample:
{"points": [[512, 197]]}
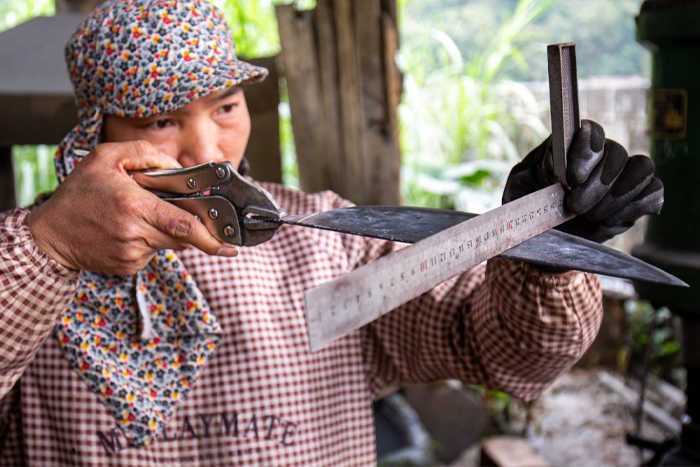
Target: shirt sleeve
{"points": [[34, 291], [504, 325]]}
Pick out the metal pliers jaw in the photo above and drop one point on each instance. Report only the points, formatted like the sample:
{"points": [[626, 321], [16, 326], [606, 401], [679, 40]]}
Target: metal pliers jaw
{"points": [[234, 210]]}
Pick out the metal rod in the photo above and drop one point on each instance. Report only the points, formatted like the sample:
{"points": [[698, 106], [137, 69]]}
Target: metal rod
{"points": [[563, 101]]}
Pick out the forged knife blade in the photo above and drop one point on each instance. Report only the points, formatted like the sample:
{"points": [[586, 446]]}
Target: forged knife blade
{"points": [[551, 249]]}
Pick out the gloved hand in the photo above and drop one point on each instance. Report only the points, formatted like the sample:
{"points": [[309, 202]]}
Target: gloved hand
{"points": [[609, 190]]}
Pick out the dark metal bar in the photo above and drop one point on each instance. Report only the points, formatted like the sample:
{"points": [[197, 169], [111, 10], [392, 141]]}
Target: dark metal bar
{"points": [[563, 100]]}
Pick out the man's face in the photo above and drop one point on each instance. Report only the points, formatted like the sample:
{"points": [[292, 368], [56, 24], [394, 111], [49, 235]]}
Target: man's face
{"points": [[215, 127]]}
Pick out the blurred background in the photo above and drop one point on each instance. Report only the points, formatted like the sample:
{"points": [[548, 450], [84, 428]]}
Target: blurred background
{"points": [[474, 102]]}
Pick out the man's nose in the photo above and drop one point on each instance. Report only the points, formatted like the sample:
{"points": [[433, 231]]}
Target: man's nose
{"points": [[199, 143]]}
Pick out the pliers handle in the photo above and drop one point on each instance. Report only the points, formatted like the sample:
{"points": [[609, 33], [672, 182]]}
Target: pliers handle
{"points": [[225, 202]]}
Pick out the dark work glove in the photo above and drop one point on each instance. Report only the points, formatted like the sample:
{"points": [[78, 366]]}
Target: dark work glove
{"points": [[609, 190]]}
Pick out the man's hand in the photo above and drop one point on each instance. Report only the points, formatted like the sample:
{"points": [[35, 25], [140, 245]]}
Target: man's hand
{"points": [[100, 220], [609, 190]]}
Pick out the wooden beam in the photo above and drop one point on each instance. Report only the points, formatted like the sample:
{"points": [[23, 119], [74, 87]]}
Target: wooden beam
{"points": [[509, 451], [343, 92], [7, 179], [327, 58], [301, 71], [263, 150], [393, 82], [368, 30], [353, 162], [36, 119]]}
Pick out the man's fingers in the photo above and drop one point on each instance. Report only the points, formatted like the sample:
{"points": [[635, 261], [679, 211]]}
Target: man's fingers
{"points": [[585, 152], [585, 196], [182, 228], [636, 175], [529, 175], [138, 155], [649, 201]]}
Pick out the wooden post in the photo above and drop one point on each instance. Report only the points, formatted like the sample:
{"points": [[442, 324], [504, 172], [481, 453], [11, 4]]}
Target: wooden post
{"points": [[344, 89], [301, 71], [263, 150], [7, 179]]}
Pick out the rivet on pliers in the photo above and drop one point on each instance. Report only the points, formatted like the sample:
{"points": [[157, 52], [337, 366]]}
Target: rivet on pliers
{"points": [[213, 213], [229, 231]]}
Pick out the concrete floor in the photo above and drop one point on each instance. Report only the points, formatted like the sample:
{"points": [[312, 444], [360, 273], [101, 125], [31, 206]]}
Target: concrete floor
{"points": [[581, 422]]}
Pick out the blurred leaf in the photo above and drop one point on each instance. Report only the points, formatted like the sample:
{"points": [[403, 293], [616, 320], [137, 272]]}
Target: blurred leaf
{"points": [[34, 172], [670, 347], [475, 178], [14, 12]]}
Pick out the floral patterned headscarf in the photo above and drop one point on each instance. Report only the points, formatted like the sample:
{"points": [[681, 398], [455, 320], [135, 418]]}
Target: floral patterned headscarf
{"points": [[140, 342]]}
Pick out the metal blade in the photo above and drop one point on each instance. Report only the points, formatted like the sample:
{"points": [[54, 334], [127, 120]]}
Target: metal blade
{"points": [[551, 249]]}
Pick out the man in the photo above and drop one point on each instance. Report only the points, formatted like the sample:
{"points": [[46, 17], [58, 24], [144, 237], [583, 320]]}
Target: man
{"points": [[123, 380]]}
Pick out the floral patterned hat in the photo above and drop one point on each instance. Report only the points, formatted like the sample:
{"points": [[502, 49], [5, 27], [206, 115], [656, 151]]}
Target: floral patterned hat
{"points": [[140, 342], [139, 58]]}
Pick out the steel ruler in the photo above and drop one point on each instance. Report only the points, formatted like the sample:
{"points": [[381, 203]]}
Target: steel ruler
{"points": [[363, 295], [346, 303]]}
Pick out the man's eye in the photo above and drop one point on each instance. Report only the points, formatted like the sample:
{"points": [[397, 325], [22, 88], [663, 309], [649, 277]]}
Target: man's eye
{"points": [[160, 124], [224, 109]]}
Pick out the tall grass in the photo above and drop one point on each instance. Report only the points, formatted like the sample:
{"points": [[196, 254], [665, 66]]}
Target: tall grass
{"points": [[462, 127]]}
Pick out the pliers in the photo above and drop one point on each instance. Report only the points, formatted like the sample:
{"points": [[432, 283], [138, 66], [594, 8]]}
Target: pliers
{"points": [[234, 210]]}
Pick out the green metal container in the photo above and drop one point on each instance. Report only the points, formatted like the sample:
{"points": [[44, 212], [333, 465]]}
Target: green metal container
{"points": [[670, 29]]}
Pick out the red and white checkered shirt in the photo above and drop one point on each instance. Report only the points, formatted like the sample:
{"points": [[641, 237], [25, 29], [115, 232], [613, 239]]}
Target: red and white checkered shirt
{"points": [[263, 399]]}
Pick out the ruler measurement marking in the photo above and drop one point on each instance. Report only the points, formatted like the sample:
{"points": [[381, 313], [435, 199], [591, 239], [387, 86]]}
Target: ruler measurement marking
{"points": [[353, 299]]}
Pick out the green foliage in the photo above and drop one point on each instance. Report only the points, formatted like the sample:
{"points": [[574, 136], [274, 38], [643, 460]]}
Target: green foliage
{"points": [[639, 314], [462, 125], [605, 35], [664, 340], [253, 24], [510, 415], [34, 172], [14, 12], [604, 31]]}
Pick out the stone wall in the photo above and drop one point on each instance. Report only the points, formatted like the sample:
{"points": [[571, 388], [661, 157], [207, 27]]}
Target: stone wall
{"points": [[619, 104]]}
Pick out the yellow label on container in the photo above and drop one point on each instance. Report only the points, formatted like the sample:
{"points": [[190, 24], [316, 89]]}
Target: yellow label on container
{"points": [[669, 114]]}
